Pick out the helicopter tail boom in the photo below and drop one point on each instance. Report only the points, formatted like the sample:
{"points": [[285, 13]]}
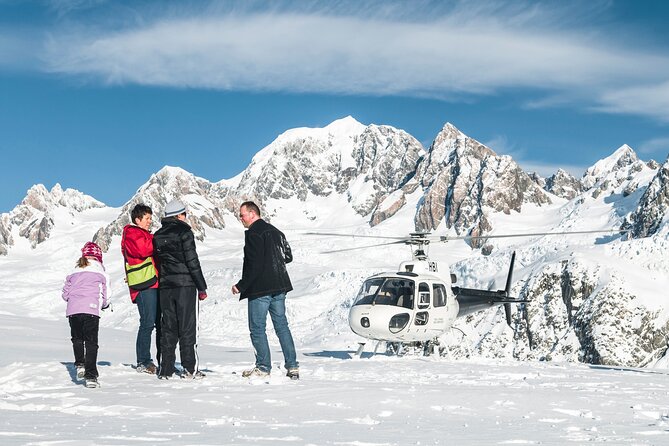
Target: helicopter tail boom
{"points": [[472, 300]]}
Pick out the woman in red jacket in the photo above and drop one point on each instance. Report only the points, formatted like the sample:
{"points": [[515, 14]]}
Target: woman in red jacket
{"points": [[137, 249]]}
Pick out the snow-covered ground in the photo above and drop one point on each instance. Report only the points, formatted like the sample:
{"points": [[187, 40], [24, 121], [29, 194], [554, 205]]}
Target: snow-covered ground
{"points": [[339, 400], [380, 400]]}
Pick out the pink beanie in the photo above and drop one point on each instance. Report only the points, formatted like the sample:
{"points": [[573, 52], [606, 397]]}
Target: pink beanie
{"points": [[91, 249]]}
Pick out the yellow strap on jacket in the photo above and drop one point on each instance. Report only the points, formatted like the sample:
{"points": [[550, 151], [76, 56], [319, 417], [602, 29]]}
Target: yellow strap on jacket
{"points": [[141, 276]]}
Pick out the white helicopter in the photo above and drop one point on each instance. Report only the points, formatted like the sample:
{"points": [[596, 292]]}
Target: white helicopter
{"points": [[418, 303]]}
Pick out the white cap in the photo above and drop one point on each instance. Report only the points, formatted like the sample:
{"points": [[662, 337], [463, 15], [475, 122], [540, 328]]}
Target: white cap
{"points": [[174, 207]]}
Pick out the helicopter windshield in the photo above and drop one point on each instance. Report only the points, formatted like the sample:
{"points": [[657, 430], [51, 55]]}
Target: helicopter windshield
{"points": [[386, 291]]}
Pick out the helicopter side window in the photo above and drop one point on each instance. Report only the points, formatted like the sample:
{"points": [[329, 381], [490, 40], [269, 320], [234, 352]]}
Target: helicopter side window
{"points": [[439, 293], [423, 295], [368, 291]]}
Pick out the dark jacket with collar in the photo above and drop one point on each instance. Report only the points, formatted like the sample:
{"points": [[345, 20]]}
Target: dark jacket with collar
{"points": [[266, 253], [174, 250]]}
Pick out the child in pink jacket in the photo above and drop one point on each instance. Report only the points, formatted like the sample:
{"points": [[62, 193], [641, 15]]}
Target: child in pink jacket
{"points": [[86, 291]]}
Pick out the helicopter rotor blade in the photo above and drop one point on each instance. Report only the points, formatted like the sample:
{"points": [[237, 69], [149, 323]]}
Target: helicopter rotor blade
{"points": [[530, 234], [363, 247], [334, 234]]}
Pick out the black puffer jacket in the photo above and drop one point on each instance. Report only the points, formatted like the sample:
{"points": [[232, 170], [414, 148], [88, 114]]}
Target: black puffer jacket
{"points": [[266, 253], [174, 249]]}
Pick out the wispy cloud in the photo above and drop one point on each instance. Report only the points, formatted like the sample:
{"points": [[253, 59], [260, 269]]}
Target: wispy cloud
{"points": [[321, 53], [500, 145], [655, 147], [651, 99], [459, 51]]}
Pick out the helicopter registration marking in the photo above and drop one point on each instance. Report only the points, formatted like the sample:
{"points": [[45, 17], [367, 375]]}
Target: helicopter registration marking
{"points": [[432, 267]]}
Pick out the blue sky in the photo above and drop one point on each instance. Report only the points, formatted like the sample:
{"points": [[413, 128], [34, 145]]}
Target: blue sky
{"points": [[98, 95]]}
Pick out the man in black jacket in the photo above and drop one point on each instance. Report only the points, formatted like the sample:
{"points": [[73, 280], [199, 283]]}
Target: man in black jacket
{"points": [[265, 283], [181, 285]]}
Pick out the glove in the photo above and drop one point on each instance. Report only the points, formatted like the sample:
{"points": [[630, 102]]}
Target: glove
{"points": [[202, 295]]}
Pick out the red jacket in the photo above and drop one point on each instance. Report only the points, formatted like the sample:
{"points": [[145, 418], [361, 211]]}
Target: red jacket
{"points": [[136, 246]]}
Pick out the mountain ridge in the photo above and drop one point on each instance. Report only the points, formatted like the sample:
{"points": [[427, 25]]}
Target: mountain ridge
{"points": [[375, 167]]}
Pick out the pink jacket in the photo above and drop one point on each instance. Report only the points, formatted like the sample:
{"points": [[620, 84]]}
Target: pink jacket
{"points": [[87, 289]]}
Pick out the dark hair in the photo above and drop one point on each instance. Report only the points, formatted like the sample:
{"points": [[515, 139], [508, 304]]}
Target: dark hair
{"points": [[82, 262], [251, 206], [139, 211]]}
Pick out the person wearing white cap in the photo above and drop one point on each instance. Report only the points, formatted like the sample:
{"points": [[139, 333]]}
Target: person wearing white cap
{"points": [[181, 285]]}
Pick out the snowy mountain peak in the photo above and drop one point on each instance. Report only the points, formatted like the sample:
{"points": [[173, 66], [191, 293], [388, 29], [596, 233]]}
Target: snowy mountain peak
{"points": [[617, 173], [448, 133], [344, 127], [463, 180], [362, 163], [347, 125], [38, 198], [34, 217], [624, 156], [171, 171], [56, 191], [563, 184], [449, 127], [204, 203]]}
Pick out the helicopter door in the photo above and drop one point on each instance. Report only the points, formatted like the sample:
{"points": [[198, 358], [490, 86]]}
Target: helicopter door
{"points": [[422, 318], [439, 311], [423, 296], [439, 293]]}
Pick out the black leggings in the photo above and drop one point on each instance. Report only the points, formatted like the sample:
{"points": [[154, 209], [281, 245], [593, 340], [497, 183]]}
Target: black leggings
{"points": [[84, 331]]}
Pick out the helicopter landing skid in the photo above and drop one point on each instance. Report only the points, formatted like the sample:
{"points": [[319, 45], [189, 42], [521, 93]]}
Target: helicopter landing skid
{"points": [[361, 349]]}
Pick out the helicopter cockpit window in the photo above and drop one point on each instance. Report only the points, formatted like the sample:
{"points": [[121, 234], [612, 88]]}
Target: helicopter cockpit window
{"points": [[439, 293], [423, 295], [368, 291], [405, 294], [390, 291], [397, 292]]}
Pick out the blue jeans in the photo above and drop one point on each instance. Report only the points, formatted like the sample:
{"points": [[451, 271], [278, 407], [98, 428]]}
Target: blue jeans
{"points": [[258, 309], [149, 317]]}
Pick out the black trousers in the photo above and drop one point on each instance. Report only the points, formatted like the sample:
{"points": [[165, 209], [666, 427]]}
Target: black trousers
{"points": [[84, 331], [178, 325]]}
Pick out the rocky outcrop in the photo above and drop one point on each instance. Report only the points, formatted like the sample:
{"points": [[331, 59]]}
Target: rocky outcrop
{"points": [[6, 239], [653, 206], [388, 207], [204, 202], [563, 185], [577, 312], [386, 159], [463, 180], [538, 179]]}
